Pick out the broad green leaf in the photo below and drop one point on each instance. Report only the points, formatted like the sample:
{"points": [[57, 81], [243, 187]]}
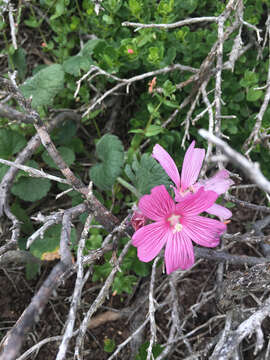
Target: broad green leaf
{"points": [[46, 245], [65, 132], [82, 61], [141, 268], [32, 22], [254, 95], [10, 142], [66, 153], [111, 153], [76, 63], [21, 214], [250, 78], [59, 9], [3, 170], [44, 85], [31, 189], [18, 59], [89, 47], [50, 241], [146, 174]]}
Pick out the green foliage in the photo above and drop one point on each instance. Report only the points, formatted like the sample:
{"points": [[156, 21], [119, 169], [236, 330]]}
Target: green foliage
{"points": [[82, 61], [110, 151], [10, 142], [124, 283], [49, 243], [31, 270], [18, 61], [44, 85], [146, 174], [21, 214], [109, 345], [3, 170], [131, 268], [66, 153], [156, 351], [31, 189]]}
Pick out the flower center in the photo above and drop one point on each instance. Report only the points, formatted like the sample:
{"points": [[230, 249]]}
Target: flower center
{"points": [[189, 190], [175, 224]]}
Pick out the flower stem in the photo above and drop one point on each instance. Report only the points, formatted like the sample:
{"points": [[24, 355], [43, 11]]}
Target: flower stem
{"points": [[128, 186]]}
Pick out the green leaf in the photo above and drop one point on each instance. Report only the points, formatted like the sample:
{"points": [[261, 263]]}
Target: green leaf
{"points": [[44, 85], [21, 214], [254, 95], [59, 9], [146, 174], [76, 63], [137, 131], [65, 132], [109, 345], [250, 79], [19, 61], [10, 142], [189, 5], [50, 241], [32, 22], [140, 268], [101, 272], [31, 189], [83, 60], [111, 153], [142, 355], [3, 170], [66, 153], [124, 283], [31, 270], [153, 130]]}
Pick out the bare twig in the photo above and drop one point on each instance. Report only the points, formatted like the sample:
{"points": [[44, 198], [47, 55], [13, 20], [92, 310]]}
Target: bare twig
{"points": [[173, 25], [76, 294], [251, 170], [247, 328], [153, 327], [97, 303], [34, 172], [255, 134], [12, 26], [127, 82]]}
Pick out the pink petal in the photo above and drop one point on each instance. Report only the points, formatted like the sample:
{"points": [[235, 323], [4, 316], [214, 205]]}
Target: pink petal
{"points": [[150, 239], [191, 166], [167, 163], [158, 204], [203, 231], [219, 183], [179, 252], [220, 211], [194, 204]]}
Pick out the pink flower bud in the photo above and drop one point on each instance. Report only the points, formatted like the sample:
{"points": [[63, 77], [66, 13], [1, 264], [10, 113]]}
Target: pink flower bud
{"points": [[138, 220], [130, 51]]}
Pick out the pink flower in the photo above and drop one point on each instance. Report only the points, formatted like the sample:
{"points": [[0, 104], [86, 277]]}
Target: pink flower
{"points": [[130, 51], [190, 171], [138, 220], [176, 225]]}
